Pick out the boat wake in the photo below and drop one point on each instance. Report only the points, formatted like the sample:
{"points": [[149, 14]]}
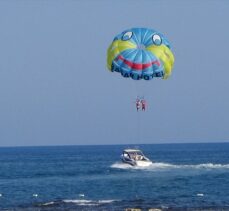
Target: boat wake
{"points": [[158, 166]]}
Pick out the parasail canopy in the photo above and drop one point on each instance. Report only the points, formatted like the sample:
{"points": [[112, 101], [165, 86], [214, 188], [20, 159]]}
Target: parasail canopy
{"points": [[140, 53]]}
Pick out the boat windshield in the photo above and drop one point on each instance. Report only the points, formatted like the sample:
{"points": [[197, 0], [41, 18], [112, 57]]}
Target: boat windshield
{"points": [[135, 155]]}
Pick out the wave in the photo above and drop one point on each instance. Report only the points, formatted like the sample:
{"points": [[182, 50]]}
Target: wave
{"points": [[48, 203], [157, 166], [81, 202]]}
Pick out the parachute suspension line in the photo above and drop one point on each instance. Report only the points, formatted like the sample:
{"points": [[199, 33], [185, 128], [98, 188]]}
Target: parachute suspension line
{"points": [[137, 89], [139, 128]]}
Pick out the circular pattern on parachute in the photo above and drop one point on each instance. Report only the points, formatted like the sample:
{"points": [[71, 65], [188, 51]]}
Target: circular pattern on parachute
{"points": [[140, 53]]}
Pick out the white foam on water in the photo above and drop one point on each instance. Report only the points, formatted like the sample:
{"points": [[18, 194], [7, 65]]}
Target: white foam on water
{"points": [[106, 201], [81, 195], [77, 201], [48, 203], [119, 165], [211, 166], [205, 166], [157, 166], [83, 202]]}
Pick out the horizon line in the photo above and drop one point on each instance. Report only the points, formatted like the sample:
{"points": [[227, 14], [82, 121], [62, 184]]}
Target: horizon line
{"points": [[66, 145]]}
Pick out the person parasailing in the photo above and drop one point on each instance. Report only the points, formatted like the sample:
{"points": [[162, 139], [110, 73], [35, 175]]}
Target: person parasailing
{"points": [[138, 104], [143, 104]]}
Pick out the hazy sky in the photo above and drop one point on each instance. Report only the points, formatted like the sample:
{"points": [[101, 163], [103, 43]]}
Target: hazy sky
{"points": [[55, 88]]}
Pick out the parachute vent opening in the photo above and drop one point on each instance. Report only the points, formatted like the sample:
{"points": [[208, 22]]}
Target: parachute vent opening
{"points": [[141, 47]]}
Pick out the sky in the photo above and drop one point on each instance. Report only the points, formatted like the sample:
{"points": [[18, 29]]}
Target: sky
{"points": [[55, 88]]}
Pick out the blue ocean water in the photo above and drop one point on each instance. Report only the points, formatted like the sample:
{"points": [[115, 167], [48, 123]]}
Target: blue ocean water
{"points": [[182, 177]]}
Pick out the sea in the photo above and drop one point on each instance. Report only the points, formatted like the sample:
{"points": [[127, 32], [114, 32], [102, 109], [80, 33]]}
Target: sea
{"points": [[91, 178]]}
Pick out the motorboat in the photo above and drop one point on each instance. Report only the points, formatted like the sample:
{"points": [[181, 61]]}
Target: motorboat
{"points": [[135, 157]]}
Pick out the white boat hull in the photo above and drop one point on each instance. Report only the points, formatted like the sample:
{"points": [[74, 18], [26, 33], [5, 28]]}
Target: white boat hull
{"points": [[143, 163]]}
